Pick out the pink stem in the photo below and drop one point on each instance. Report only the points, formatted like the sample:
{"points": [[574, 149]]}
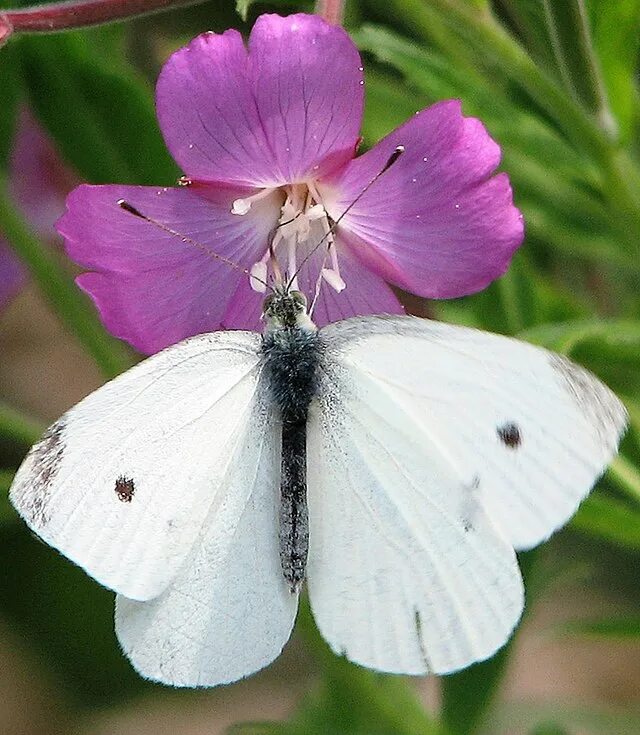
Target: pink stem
{"points": [[331, 10], [77, 13]]}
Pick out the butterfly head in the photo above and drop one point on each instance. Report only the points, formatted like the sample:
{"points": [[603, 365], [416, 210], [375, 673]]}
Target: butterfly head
{"points": [[285, 308]]}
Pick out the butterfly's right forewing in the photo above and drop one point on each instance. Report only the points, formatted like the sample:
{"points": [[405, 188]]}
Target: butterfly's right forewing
{"points": [[123, 482]]}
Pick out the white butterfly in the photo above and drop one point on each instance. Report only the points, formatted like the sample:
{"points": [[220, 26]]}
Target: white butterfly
{"points": [[432, 452]]}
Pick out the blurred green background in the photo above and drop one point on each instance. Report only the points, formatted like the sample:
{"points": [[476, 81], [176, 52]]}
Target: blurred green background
{"points": [[556, 83]]}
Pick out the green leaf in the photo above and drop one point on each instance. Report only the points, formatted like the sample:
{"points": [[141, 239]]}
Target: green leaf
{"points": [[526, 18], [389, 104], [616, 30], [622, 336], [18, 427], [550, 729], [626, 476], [609, 520], [621, 628], [67, 620], [101, 118], [242, 8], [7, 513], [608, 347], [570, 35], [10, 92], [563, 188]]}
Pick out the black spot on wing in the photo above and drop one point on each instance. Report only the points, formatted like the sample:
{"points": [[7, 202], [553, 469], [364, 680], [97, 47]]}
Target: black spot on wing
{"points": [[125, 489], [510, 435]]}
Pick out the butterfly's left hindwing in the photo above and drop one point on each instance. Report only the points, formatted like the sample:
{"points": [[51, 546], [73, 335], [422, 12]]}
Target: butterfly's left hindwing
{"points": [[229, 610], [433, 451]]}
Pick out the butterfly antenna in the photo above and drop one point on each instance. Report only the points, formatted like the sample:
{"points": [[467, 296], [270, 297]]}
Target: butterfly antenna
{"points": [[398, 151], [123, 204]]}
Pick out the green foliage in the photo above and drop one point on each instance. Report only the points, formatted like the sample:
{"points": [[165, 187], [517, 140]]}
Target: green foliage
{"points": [[556, 83], [112, 134], [617, 629], [9, 98]]}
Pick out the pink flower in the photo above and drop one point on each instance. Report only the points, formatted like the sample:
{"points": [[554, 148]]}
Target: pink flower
{"points": [[267, 138], [38, 182]]}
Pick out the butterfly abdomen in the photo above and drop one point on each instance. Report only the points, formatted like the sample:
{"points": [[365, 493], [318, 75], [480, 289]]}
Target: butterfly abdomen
{"points": [[291, 358]]}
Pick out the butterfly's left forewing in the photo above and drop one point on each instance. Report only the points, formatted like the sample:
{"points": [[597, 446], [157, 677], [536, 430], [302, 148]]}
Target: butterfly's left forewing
{"points": [[433, 451]]}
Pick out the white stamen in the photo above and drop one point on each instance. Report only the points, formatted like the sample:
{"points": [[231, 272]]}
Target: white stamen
{"points": [[297, 228], [316, 212], [333, 278], [258, 270], [242, 206]]}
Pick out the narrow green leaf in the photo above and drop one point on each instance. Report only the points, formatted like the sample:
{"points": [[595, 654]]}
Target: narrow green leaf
{"points": [[7, 513], [611, 628], [10, 92], [621, 334], [59, 289], [570, 34], [357, 700], [609, 520], [563, 184], [18, 427], [626, 477], [242, 8], [549, 729], [389, 104], [616, 30], [488, 45], [566, 718]]}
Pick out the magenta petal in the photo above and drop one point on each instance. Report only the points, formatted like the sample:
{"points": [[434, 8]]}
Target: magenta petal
{"points": [[151, 288], [289, 108], [308, 82], [435, 223]]}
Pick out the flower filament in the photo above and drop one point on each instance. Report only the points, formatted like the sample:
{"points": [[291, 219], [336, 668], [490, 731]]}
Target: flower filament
{"points": [[303, 225]]}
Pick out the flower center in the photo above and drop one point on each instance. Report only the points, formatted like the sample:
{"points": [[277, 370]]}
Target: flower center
{"points": [[303, 227]]}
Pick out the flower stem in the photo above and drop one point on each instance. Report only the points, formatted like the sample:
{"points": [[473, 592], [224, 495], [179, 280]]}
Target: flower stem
{"points": [[60, 290], [331, 10], [78, 13]]}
